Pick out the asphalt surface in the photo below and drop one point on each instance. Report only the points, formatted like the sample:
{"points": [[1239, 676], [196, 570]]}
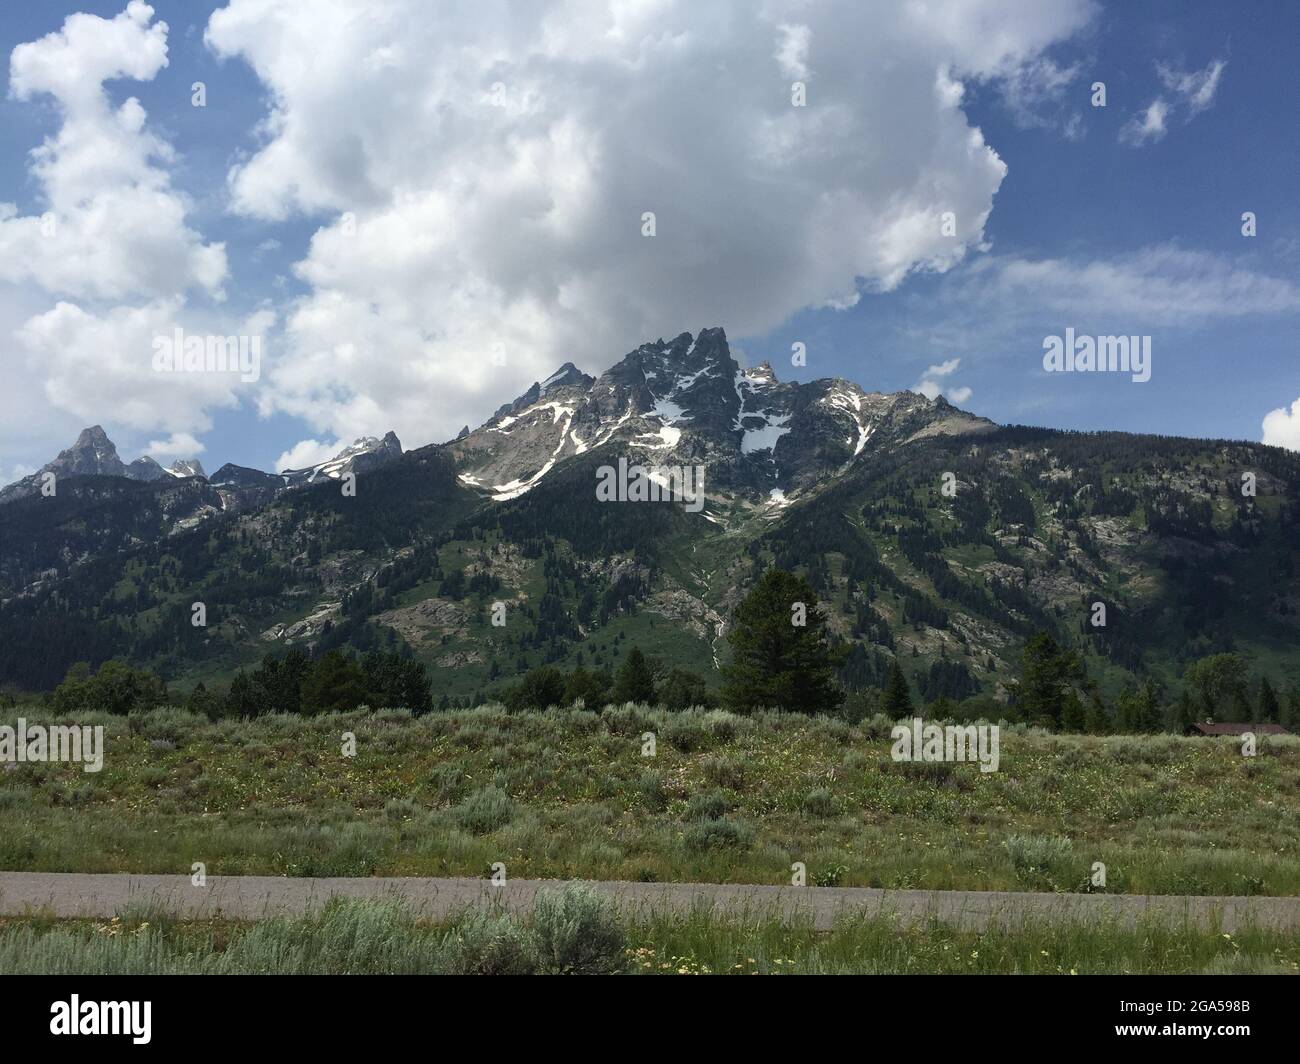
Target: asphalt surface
{"points": [[73, 894]]}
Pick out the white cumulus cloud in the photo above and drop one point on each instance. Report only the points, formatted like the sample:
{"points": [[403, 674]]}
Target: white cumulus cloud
{"points": [[113, 226], [483, 174], [108, 260], [177, 445], [307, 453], [1281, 427], [100, 365], [929, 385]]}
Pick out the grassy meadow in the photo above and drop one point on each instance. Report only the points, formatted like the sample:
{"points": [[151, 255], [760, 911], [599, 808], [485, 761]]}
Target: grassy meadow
{"points": [[568, 794], [574, 932]]}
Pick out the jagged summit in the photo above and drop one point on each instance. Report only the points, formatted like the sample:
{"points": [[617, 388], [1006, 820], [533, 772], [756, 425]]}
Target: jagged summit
{"points": [[683, 401], [687, 400], [366, 452], [568, 376], [187, 467], [145, 468], [94, 454]]}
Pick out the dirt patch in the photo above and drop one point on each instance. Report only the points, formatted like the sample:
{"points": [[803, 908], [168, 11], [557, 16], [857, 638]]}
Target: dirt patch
{"points": [[426, 621]]}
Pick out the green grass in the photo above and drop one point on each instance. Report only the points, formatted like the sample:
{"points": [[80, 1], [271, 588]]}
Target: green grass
{"points": [[567, 794], [575, 932]]}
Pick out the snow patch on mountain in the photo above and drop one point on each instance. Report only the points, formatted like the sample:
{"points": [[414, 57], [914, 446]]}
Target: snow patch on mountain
{"points": [[667, 435], [849, 401], [565, 373], [186, 467], [765, 436], [514, 488], [364, 452], [864, 434], [689, 396], [669, 411]]}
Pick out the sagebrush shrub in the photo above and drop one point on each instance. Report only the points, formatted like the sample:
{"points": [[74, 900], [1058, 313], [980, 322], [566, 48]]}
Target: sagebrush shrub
{"points": [[708, 806], [819, 802], [485, 810], [719, 834], [446, 781], [687, 732], [578, 933], [651, 788], [724, 772], [401, 809], [1041, 860], [722, 724], [488, 944]]}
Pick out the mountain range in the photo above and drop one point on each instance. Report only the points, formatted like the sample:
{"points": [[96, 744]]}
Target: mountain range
{"points": [[95, 455], [931, 536]]}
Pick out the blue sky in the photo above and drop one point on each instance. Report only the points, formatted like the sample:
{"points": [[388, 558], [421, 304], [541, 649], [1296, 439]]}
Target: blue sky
{"points": [[1095, 198], [1090, 227]]}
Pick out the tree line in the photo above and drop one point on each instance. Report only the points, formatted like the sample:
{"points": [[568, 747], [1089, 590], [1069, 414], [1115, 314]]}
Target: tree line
{"points": [[783, 657]]}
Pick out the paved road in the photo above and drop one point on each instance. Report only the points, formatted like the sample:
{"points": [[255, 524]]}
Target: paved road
{"points": [[76, 894]]}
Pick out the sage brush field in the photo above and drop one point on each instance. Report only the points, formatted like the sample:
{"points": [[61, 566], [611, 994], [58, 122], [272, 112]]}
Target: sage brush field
{"points": [[568, 794], [576, 932]]}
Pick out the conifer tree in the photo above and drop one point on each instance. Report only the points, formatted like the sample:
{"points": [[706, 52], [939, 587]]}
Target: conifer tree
{"points": [[1268, 708], [634, 682], [897, 703], [781, 656]]}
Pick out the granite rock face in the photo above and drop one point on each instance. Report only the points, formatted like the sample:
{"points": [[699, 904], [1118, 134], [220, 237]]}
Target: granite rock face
{"points": [[686, 401]]}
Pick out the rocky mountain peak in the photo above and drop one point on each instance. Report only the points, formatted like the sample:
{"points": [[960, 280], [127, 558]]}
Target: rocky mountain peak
{"points": [[366, 452], [187, 467], [568, 376], [145, 468], [96, 438], [686, 400], [93, 453]]}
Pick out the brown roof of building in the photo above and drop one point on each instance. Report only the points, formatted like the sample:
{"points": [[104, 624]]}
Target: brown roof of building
{"points": [[1237, 729]]}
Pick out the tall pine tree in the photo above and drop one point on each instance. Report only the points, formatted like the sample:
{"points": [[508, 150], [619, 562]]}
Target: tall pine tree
{"points": [[634, 681], [897, 703], [781, 657], [1269, 709], [1047, 671]]}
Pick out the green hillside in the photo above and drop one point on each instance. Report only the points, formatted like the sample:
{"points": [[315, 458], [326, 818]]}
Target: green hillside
{"points": [[1037, 527]]}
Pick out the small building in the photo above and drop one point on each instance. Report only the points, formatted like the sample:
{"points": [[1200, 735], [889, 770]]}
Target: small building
{"points": [[1210, 728]]}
